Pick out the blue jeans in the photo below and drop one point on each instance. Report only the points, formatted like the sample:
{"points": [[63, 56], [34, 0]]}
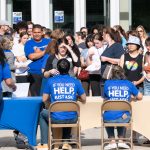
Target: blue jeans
{"points": [[141, 89], [146, 88], [121, 130], [44, 126]]}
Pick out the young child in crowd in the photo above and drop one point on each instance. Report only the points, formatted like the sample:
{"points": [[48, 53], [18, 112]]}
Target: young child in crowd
{"points": [[147, 68]]}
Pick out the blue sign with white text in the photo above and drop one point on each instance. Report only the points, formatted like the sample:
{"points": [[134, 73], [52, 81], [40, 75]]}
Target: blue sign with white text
{"points": [[59, 16]]}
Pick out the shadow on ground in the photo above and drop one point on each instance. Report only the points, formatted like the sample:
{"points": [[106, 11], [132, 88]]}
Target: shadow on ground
{"points": [[11, 142]]}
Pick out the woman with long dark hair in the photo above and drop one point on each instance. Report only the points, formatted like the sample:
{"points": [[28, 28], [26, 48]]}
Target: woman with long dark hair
{"points": [[93, 61], [118, 88], [62, 50]]}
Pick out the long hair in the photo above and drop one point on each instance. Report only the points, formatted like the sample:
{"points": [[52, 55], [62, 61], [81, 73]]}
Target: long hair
{"points": [[98, 36], [121, 30], [51, 48], [21, 35], [6, 42], [114, 35], [144, 31], [2, 57], [57, 34], [89, 38], [118, 73], [59, 42]]}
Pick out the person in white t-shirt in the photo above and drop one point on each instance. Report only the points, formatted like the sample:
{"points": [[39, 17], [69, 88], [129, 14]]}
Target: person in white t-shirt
{"points": [[94, 63], [21, 61]]}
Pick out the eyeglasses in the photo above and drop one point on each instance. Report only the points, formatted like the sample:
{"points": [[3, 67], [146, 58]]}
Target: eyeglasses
{"points": [[140, 31]]}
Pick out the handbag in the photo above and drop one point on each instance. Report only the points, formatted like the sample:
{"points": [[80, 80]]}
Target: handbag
{"points": [[83, 75], [107, 74]]}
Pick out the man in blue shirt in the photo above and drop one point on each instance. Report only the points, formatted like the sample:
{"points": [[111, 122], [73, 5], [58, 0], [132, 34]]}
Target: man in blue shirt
{"points": [[35, 50], [60, 87]]}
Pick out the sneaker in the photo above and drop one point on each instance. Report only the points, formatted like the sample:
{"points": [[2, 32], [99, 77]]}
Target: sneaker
{"points": [[147, 142], [66, 146], [42, 147], [56, 147], [123, 145], [23, 137], [110, 146]]}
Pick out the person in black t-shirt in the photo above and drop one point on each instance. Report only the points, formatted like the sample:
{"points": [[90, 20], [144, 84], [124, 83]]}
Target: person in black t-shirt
{"points": [[132, 62]]}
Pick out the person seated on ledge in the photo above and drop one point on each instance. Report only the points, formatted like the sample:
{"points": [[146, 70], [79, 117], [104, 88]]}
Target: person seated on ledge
{"points": [[5, 73], [118, 88], [51, 94]]}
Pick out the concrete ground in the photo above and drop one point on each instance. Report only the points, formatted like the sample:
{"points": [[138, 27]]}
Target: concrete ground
{"points": [[90, 140]]}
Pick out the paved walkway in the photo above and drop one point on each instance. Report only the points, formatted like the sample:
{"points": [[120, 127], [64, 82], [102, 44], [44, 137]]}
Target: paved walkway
{"points": [[90, 140]]}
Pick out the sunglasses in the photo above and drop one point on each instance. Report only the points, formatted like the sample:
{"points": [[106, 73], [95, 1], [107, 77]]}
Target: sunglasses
{"points": [[140, 31]]}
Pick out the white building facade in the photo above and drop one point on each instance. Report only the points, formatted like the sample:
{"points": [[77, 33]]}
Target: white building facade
{"points": [[113, 12]]}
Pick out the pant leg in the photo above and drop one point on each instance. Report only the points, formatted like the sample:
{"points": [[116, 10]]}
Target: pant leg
{"points": [[7, 94], [44, 126], [86, 86], [146, 88], [95, 84], [66, 133], [110, 132], [121, 131], [35, 84]]}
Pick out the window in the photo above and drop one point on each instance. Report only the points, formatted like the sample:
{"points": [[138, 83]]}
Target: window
{"points": [[68, 7], [140, 11]]}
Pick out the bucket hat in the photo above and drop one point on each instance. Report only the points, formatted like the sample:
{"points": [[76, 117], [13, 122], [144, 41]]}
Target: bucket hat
{"points": [[133, 40]]}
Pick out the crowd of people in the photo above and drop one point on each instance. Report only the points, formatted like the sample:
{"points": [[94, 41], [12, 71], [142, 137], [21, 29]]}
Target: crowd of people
{"points": [[32, 53]]}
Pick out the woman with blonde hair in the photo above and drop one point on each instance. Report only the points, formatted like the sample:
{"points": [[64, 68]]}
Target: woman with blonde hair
{"points": [[5, 73], [55, 35], [143, 36], [6, 45]]}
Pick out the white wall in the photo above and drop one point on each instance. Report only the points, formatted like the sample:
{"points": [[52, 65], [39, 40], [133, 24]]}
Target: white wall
{"points": [[79, 14], [40, 12], [9, 11], [125, 6], [2, 9], [114, 12]]}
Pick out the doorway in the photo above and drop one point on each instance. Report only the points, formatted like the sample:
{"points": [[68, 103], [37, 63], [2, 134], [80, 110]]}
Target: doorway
{"points": [[67, 7], [23, 6]]}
